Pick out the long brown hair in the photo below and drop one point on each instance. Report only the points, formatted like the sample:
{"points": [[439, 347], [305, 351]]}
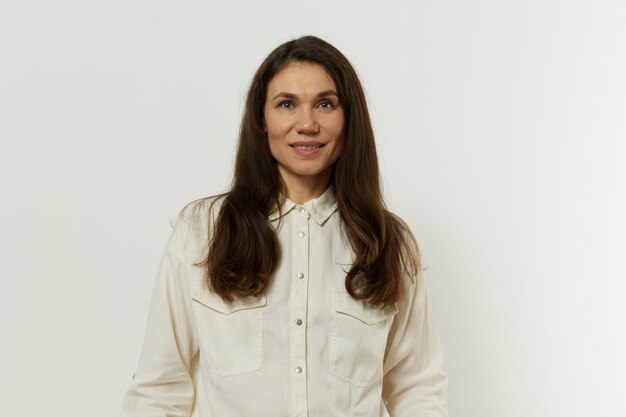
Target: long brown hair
{"points": [[244, 249]]}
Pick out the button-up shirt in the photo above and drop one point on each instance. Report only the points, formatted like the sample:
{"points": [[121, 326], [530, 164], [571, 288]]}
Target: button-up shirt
{"points": [[306, 348]]}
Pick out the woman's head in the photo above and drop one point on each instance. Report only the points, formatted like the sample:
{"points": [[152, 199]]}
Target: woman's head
{"points": [[310, 65], [304, 121]]}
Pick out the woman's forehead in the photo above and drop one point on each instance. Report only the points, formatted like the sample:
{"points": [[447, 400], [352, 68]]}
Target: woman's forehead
{"points": [[301, 77]]}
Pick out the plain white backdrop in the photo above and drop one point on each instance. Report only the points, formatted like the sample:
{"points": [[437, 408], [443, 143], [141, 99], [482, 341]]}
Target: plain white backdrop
{"points": [[501, 129]]}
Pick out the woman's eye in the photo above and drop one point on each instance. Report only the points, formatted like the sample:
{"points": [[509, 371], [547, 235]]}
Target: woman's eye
{"points": [[286, 104], [326, 104]]}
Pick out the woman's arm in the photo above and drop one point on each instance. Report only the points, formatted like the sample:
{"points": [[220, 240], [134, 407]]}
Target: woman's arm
{"points": [[414, 384], [163, 384]]}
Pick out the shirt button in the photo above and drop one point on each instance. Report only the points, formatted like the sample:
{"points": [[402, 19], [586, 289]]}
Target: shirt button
{"points": [[301, 234], [298, 322], [302, 209], [299, 370], [300, 275]]}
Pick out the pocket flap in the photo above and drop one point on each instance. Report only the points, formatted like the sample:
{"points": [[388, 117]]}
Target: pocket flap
{"points": [[215, 302], [344, 303]]}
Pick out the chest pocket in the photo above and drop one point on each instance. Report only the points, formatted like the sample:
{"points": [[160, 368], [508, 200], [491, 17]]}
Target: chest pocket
{"points": [[358, 339], [230, 334]]}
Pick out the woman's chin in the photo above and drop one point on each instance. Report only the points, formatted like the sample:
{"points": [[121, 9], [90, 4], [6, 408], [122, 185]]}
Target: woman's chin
{"points": [[307, 172]]}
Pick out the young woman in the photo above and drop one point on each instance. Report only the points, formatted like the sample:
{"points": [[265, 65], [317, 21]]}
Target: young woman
{"points": [[296, 293]]}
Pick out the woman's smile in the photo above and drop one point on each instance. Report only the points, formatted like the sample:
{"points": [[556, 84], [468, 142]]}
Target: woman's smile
{"points": [[307, 149]]}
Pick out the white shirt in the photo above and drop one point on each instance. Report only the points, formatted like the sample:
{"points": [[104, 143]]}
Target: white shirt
{"points": [[305, 349]]}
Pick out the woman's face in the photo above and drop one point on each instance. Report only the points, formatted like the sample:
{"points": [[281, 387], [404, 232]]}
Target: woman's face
{"points": [[304, 122]]}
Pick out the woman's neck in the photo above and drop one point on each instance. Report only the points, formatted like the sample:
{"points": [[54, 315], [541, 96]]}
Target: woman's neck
{"points": [[301, 189]]}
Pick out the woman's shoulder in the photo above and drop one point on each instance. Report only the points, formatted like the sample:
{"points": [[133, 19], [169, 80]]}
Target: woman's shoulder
{"points": [[408, 245], [402, 227], [202, 206], [199, 214]]}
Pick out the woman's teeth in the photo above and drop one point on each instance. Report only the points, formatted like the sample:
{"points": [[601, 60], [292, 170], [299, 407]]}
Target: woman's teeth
{"points": [[306, 148]]}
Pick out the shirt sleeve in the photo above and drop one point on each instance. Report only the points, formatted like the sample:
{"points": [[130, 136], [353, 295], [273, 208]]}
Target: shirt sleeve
{"points": [[414, 383], [164, 381]]}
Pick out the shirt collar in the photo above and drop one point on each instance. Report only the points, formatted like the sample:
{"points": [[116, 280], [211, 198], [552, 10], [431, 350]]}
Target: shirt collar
{"points": [[320, 208]]}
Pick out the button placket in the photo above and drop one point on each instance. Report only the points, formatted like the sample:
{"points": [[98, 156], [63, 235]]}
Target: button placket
{"points": [[299, 304]]}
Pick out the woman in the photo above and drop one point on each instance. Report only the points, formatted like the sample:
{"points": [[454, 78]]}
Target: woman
{"points": [[296, 293]]}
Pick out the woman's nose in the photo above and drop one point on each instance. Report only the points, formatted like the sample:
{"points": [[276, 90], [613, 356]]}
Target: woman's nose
{"points": [[306, 122]]}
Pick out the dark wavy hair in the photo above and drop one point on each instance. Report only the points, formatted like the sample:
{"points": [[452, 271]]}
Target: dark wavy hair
{"points": [[244, 249]]}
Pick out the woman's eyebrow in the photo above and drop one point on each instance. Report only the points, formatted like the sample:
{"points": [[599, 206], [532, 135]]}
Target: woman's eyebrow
{"points": [[285, 95], [327, 93], [293, 96]]}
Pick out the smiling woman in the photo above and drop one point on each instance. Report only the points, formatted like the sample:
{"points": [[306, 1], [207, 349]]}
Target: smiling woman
{"points": [[295, 293]]}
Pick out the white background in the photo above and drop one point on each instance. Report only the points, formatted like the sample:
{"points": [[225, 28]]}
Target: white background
{"points": [[501, 129]]}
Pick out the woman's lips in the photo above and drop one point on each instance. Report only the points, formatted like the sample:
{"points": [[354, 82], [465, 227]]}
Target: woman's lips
{"points": [[307, 148]]}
